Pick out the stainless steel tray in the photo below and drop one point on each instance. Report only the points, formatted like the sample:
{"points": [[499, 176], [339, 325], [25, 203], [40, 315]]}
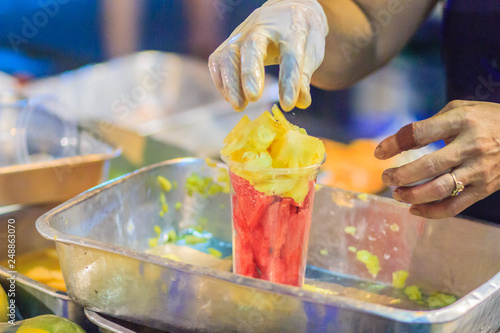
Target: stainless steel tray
{"points": [[101, 236], [57, 180], [112, 325], [32, 297]]}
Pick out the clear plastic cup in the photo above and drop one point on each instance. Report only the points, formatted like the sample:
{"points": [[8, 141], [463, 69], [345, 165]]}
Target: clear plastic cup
{"points": [[271, 217], [35, 129]]}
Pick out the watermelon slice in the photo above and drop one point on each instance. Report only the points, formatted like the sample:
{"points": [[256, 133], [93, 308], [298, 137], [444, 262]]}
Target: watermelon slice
{"points": [[270, 233]]}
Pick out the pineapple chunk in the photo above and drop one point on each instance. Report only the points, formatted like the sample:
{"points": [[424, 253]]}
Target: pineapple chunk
{"points": [[237, 138], [272, 142], [295, 150]]}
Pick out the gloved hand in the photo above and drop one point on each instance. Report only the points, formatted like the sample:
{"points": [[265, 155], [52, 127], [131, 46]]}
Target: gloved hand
{"points": [[290, 33]]}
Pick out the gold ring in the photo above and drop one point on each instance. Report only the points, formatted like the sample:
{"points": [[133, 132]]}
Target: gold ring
{"points": [[459, 186]]}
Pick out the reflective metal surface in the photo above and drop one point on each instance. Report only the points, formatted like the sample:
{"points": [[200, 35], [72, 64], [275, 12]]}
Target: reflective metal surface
{"points": [[112, 325], [32, 297], [101, 236], [60, 179]]}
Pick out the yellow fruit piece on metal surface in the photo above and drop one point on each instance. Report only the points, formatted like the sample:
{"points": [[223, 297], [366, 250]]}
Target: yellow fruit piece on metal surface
{"points": [[394, 227], [399, 279], [370, 260], [350, 230], [165, 184], [413, 293]]}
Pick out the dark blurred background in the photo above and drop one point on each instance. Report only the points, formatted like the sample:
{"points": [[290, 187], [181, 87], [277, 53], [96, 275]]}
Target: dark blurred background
{"points": [[41, 38]]}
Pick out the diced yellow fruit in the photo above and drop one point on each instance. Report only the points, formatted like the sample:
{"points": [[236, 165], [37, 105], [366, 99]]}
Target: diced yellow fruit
{"points": [[172, 236], [351, 230], [363, 196], [399, 279], [165, 184], [238, 130], [352, 249], [280, 117], [315, 289], [263, 130], [299, 191], [157, 229], [153, 242], [440, 300], [192, 240], [277, 187], [214, 252], [270, 142], [178, 205], [163, 198], [413, 293], [323, 252], [171, 256], [394, 227], [370, 260], [257, 160], [294, 150], [237, 138], [210, 162]]}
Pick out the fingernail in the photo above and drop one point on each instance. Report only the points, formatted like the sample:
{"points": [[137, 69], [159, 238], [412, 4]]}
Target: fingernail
{"points": [[251, 87], [288, 98], [386, 178], [397, 195], [379, 152], [414, 211]]}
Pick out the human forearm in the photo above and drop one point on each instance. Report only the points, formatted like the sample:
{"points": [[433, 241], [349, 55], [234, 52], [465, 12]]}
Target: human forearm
{"points": [[364, 35]]}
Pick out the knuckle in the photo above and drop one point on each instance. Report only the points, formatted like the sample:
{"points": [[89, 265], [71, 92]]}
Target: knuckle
{"points": [[229, 52], [430, 166], [481, 146], [468, 117], [453, 210], [488, 189], [441, 189], [418, 130], [455, 104], [407, 196]]}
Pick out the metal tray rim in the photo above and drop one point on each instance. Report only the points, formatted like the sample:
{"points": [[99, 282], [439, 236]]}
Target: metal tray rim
{"points": [[443, 315], [66, 161], [37, 285]]}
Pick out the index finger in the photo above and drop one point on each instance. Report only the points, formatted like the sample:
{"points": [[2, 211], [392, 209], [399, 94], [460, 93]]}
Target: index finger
{"points": [[420, 133]]}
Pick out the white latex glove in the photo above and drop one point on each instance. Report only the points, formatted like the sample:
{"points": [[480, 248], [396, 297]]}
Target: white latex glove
{"points": [[290, 33]]}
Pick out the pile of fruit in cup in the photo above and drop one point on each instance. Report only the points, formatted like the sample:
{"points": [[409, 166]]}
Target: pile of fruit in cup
{"points": [[273, 166]]}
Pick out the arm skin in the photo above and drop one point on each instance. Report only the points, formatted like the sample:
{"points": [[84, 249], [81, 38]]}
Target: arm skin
{"points": [[356, 48]]}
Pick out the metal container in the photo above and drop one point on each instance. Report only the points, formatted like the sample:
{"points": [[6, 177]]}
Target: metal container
{"points": [[32, 297], [108, 324], [102, 235], [60, 179]]}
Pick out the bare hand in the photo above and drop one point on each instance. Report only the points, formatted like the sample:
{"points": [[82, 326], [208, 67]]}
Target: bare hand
{"points": [[471, 131]]}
